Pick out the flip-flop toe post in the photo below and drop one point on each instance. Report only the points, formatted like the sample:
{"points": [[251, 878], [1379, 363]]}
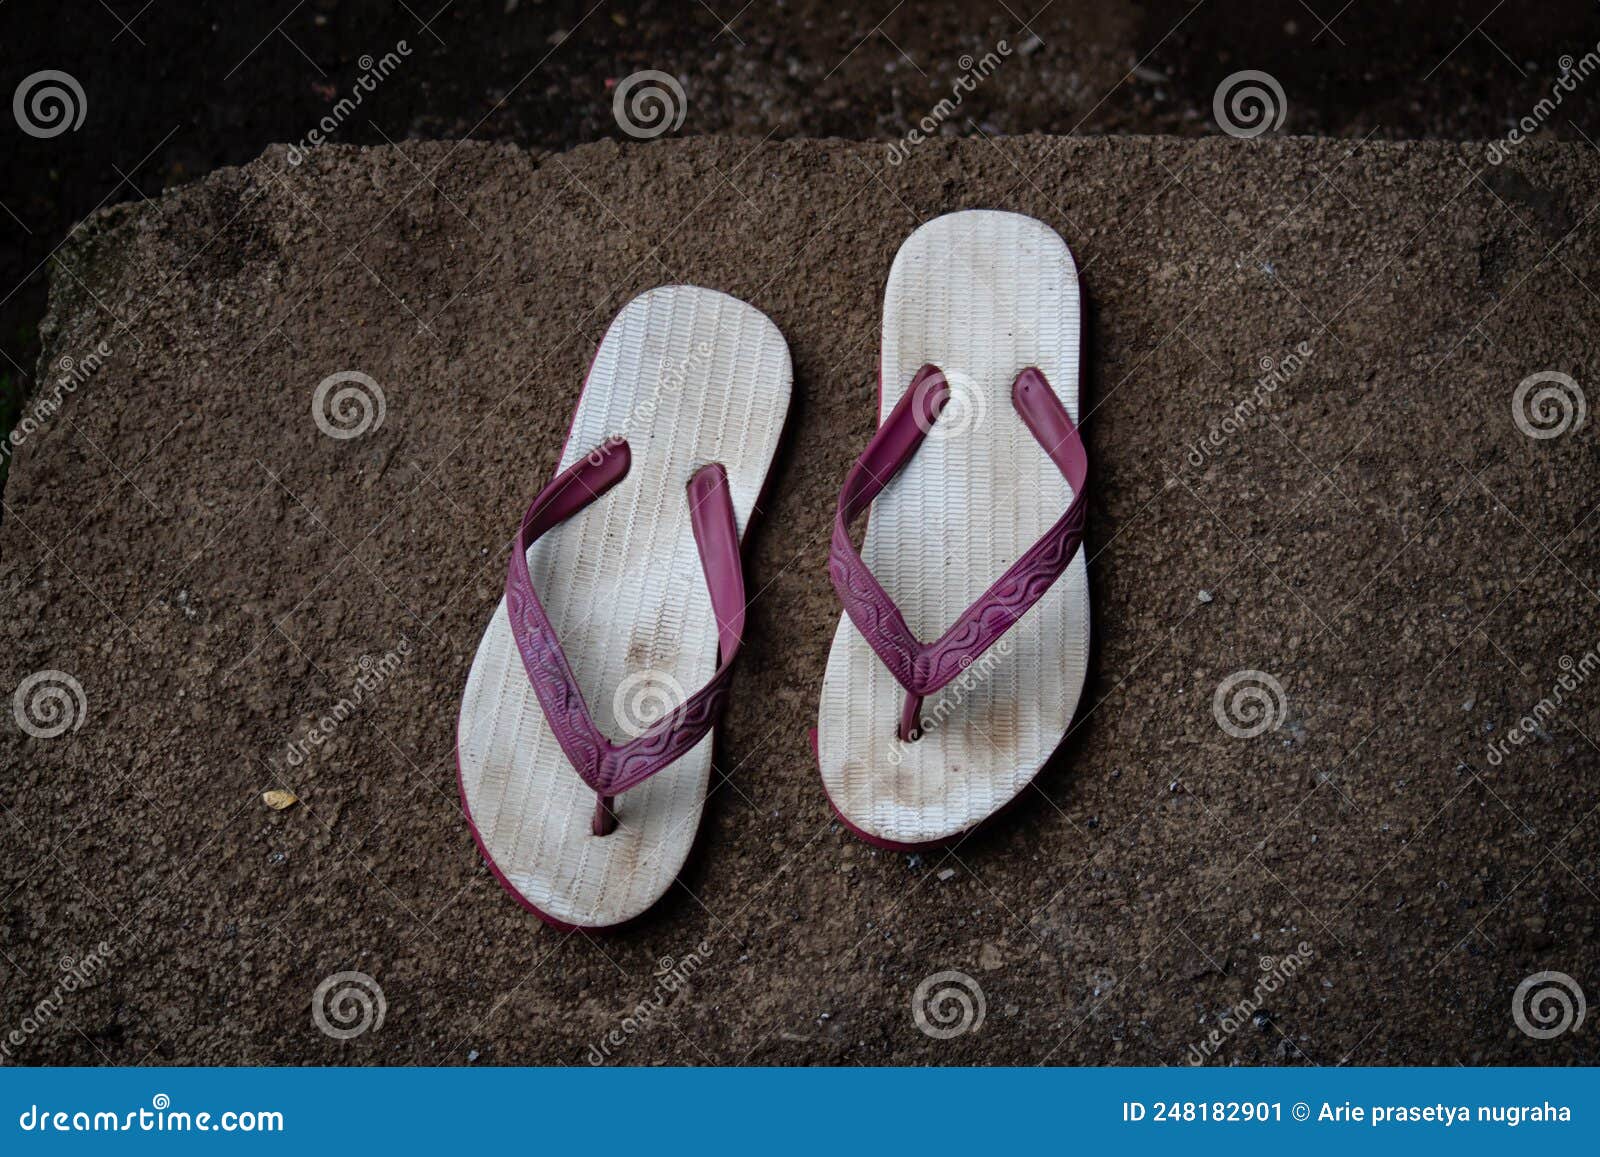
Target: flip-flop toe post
{"points": [[585, 736], [976, 481]]}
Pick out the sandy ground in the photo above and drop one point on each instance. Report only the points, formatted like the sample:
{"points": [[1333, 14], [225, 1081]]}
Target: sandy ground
{"points": [[174, 91], [1380, 537]]}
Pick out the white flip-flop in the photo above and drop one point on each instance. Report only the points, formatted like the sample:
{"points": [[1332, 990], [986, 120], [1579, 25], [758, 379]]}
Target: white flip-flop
{"points": [[585, 736], [978, 474]]}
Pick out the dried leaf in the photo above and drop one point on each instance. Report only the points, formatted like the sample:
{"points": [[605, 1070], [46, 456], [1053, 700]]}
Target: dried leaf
{"points": [[278, 800]]}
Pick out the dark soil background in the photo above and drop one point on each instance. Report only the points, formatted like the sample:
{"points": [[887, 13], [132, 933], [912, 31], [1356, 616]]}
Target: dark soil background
{"points": [[1384, 540], [177, 89], [1381, 537]]}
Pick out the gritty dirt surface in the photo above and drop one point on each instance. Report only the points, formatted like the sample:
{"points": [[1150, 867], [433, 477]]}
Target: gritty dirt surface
{"points": [[174, 90], [1379, 536]]}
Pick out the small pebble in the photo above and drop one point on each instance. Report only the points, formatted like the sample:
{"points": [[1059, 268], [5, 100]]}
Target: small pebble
{"points": [[1204, 596], [947, 874]]}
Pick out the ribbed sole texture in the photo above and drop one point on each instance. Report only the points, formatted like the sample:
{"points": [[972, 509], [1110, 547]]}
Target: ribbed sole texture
{"points": [[688, 376], [982, 295]]}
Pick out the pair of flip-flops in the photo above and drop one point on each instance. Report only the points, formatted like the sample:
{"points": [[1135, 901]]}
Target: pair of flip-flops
{"points": [[587, 723]]}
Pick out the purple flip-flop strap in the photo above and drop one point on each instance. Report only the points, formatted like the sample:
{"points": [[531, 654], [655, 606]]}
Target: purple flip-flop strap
{"points": [[922, 668], [609, 768]]}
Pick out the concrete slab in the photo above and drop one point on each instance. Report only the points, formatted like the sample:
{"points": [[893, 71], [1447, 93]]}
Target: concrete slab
{"points": [[1302, 366]]}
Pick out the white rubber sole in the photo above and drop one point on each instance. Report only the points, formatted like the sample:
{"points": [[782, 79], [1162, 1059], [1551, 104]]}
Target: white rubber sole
{"points": [[982, 295], [689, 377]]}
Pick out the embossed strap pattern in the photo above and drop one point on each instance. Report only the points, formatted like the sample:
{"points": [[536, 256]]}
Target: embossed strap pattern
{"points": [[607, 767], [922, 668]]}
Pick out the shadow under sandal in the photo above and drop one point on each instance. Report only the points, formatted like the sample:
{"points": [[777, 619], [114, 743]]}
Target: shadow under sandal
{"points": [[625, 582], [976, 480]]}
